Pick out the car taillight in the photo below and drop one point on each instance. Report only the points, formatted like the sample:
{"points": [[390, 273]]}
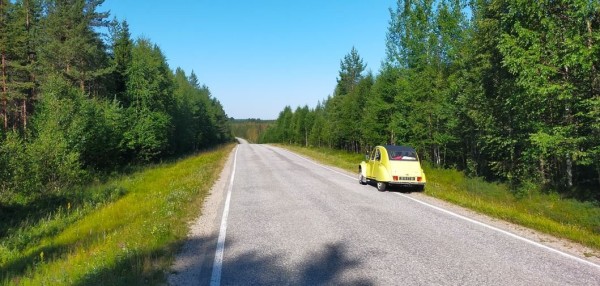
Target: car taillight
{"points": [[395, 178], [419, 179]]}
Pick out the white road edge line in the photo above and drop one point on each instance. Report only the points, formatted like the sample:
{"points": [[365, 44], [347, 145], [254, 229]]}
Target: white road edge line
{"points": [[215, 279], [468, 219], [503, 232]]}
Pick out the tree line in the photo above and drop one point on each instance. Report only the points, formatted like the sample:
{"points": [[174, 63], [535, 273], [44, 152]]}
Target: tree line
{"points": [[250, 129], [79, 97], [504, 89]]}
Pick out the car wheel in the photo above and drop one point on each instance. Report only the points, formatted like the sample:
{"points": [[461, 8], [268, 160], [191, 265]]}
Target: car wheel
{"points": [[361, 179], [420, 188], [381, 186]]}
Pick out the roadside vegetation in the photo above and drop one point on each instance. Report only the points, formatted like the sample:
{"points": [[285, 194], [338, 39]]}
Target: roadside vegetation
{"points": [[122, 232], [250, 129], [505, 90], [81, 102], [529, 206]]}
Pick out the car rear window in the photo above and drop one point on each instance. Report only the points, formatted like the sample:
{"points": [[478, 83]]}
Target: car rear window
{"points": [[402, 155]]}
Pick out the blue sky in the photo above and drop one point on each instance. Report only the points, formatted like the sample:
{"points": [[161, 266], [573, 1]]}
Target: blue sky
{"points": [[257, 56]]}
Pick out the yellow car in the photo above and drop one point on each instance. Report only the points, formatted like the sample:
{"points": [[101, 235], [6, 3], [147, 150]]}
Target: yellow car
{"points": [[392, 165]]}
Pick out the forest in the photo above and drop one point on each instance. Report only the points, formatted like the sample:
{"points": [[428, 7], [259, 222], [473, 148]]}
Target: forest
{"points": [[507, 90], [250, 129], [80, 99]]}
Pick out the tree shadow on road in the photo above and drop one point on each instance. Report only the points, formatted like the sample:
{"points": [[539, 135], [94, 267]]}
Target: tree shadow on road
{"points": [[330, 265], [194, 262], [325, 267]]}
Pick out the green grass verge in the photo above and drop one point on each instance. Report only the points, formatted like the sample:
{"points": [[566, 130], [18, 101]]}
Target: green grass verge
{"points": [[130, 240], [548, 213]]}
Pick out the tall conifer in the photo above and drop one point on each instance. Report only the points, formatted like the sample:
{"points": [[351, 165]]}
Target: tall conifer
{"points": [[73, 48]]}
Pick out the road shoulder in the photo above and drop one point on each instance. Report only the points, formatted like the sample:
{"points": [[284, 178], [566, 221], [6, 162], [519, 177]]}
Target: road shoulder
{"points": [[193, 264], [560, 244]]}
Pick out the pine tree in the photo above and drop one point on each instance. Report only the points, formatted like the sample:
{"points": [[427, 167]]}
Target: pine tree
{"points": [[150, 90], [183, 117], [4, 46], [121, 48], [221, 123], [316, 136], [351, 69], [72, 48], [380, 108], [23, 68]]}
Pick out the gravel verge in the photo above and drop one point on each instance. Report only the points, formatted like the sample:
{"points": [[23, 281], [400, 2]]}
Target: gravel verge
{"points": [[193, 264]]}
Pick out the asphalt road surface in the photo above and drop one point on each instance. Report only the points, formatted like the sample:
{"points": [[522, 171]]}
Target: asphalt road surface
{"points": [[291, 221]]}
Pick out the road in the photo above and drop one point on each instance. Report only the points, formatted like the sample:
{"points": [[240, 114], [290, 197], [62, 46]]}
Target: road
{"points": [[291, 221]]}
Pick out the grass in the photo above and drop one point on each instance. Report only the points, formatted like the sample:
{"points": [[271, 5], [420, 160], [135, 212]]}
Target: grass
{"points": [[345, 160], [548, 213], [126, 237]]}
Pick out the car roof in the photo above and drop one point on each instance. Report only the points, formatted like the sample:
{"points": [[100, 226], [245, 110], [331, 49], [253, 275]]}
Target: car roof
{"points": [[398, 148]]}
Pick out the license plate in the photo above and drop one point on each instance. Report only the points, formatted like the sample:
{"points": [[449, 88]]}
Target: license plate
{"points": [[407, 178]]}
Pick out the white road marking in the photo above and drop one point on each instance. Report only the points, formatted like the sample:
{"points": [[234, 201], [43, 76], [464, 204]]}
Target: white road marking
{"points": [[502, 231], [215, 279], [320, 165], [467, 219]]}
